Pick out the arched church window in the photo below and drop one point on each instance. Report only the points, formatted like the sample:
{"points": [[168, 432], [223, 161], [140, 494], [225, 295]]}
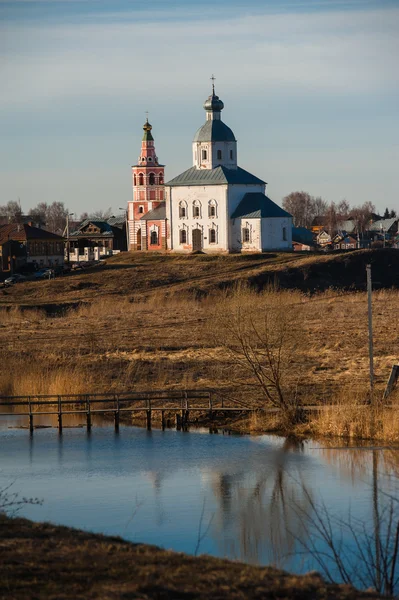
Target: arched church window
{"points": [[149, 159], [212, 236], [245, 234], [134, 179], [219, 155], [182, 209], [231, 154], [141, 209], [196, 209], [141, 179], [154, 238], [204, 155], [152, 179], [183, 236], [212, 208], [160, 179]]}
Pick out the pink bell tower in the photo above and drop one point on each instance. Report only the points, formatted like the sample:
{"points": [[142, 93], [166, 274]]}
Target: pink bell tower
{"points": [[148, 191]]}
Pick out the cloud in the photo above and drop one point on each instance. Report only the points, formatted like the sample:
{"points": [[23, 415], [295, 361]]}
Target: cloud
{"points": [[351, 52]]}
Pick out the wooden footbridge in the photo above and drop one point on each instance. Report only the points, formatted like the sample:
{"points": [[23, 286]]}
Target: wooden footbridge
{"points": [[179, 403]]}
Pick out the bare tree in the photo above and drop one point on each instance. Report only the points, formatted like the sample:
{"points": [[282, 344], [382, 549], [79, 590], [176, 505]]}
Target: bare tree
{"points": [[259, 333], [304, 207], [56, 217], [320, 206], [39, 213], [12, 210], [102, 215], [362, 215]]}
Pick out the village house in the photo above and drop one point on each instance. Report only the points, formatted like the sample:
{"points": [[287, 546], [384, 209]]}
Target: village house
{"points": [[302, 239], [105, 236], [23, 244]]}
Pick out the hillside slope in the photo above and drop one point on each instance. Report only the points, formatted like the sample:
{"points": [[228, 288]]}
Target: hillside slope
{"points": [[135, 275]]}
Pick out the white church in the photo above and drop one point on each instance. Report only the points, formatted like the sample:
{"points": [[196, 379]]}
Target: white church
{"points": [[214, 207]]}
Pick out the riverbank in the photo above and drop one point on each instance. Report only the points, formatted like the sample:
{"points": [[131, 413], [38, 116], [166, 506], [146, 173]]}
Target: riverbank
{"points": [[44, 561]]}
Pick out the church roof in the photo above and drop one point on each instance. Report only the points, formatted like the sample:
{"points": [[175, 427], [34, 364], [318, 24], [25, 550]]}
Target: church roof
{"points": [[157, 214], [214, 131], [256, 205], [218, 176]]}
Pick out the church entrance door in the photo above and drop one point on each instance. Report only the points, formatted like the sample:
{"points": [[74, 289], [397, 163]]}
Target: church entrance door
{"points": [[139, 239], [197, 240]]}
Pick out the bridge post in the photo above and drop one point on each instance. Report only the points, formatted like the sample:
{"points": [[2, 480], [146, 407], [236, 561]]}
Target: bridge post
{"points": [[88, 413], [117, 413], [149, 414], [178, 422], [59, 415], [163, 419], [30, 416]]}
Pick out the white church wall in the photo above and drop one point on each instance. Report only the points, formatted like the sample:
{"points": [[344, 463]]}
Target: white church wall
{"points": [[277, 233], [201, 197], [228, 152], [236, 194]]}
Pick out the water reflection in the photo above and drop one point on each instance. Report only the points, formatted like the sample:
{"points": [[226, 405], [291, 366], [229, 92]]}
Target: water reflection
{"points": [[255, 492]]}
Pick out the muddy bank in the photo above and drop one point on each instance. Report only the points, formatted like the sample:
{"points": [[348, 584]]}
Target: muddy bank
{"points": [[43, 561]]}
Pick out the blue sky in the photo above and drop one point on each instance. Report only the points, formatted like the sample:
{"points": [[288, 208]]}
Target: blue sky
{"points": [[311, 91]]}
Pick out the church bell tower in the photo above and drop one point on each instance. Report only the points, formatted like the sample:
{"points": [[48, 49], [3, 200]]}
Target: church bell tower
{"points": [[148, 189]]}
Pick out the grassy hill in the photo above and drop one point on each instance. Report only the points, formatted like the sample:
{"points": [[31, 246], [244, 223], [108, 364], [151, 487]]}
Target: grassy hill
{"points": [[141, 274]]}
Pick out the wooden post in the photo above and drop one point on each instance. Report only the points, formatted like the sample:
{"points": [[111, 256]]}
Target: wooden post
{"points": [[391, 381], [59, 415], [117, 414], [30, 416], [149, 414], [210, 406], [370, 319], [178, 422], [186, 413], [163, 419], [88, 413]]}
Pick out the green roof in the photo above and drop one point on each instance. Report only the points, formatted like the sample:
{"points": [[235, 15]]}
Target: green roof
{"points": [[214, 131], [256, 205], [217, 176], [157, 214]]}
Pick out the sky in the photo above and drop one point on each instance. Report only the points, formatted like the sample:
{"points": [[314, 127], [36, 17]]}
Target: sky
{"points": [[310, 88]]}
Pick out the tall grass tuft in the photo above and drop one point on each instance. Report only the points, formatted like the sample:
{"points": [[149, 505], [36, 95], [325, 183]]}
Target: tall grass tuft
{"points": [[350, 417]]}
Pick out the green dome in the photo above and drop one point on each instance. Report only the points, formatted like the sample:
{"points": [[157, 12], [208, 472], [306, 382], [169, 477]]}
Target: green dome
{"points": [[147, 132]]}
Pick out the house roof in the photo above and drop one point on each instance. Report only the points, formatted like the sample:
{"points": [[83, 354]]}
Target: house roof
{"points": [[157, 214], [384, 224], [214, 131], [118, 221], [256, 205], [218, 176], [104, 227], [24, 232], [348, 226], [302, 236]]}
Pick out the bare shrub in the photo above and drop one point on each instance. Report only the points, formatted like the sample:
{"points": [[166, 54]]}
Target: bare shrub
{"points": [[359, 553], [260, 333]]}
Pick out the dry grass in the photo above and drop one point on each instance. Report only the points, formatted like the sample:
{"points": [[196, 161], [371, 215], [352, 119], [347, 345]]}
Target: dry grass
{"points": [[155, 322], [48, 562], [350, 418]]}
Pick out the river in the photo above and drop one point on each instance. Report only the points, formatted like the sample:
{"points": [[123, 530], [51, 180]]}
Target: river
{"points": [[241, 497]]}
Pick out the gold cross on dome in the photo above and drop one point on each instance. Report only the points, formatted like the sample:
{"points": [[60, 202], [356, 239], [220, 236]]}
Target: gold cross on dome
{"points": [[146, 112]]}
